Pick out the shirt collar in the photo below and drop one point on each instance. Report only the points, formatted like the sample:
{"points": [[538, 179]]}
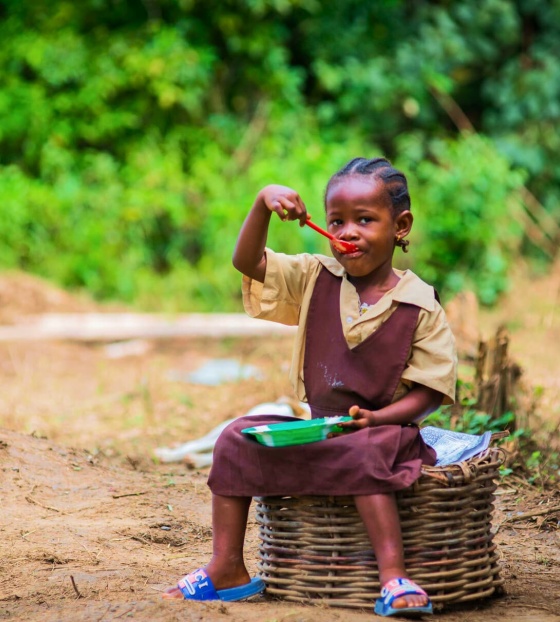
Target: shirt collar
{"points": [[411, 289]]}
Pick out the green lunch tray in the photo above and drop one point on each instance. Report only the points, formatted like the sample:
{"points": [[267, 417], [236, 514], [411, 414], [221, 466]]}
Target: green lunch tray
{"points": [[295, 432]]}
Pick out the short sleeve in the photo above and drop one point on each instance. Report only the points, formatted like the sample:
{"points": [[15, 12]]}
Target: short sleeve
{"points": [[433, 356], [279, 298]]}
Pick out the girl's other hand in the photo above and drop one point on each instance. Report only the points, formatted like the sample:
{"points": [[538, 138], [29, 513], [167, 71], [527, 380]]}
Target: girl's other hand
{"points": [[285, 202], [362, 418]]}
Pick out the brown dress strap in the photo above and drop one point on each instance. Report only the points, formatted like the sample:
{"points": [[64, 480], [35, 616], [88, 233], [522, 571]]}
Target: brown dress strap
{"points": [[336, 376]]}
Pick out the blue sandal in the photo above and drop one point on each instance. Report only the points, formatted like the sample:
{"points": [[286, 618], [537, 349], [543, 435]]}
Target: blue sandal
{"points": [[198, 586], [395, 589]]}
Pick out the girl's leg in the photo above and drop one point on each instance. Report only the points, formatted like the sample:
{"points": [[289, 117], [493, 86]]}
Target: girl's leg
{"points": [[229, 523], [381, 519]]}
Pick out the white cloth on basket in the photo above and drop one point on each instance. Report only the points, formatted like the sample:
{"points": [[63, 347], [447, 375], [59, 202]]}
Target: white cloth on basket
{"points": [[452, 447]]}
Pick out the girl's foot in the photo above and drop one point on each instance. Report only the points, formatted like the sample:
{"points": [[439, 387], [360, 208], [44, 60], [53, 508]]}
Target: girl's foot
{"points": [[219, 580], [402, 596]]}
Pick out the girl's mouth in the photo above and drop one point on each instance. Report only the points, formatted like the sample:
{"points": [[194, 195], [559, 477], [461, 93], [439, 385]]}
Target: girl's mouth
{"points": [[340, 246], [344, 248], [353, 254]]}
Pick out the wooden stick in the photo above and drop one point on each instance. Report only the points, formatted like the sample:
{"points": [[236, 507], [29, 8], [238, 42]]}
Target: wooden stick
{"points": [[120, 326], [75, 587], [104, 613], [130, 494], [532, 514], [46, 507]]}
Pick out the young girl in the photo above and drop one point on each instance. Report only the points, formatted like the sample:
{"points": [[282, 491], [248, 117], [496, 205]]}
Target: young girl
{"points": [[372, 342]]}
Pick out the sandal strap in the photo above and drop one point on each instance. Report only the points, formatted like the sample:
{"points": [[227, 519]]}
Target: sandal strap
{"points": [[198, 586], [400, 587]]}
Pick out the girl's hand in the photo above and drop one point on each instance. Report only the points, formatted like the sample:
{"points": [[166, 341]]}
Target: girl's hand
{"points": [[285, 202], [362, 418]]}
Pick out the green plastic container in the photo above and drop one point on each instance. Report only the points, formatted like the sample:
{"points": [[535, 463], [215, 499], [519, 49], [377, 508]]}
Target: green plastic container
{"points": [[295, 432]]}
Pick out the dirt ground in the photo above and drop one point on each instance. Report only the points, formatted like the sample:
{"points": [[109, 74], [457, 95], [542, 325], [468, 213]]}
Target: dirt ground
{"points": [[92, 528]]}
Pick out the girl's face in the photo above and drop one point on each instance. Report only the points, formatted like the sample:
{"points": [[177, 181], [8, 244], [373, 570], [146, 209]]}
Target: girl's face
{"points": [[359, 210]]}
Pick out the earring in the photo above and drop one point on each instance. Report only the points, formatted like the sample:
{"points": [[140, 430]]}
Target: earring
{"points": [[402, 243]]}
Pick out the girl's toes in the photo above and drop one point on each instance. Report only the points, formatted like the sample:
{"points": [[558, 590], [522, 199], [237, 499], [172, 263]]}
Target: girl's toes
{"points": [[410, 601], [172, 592]]}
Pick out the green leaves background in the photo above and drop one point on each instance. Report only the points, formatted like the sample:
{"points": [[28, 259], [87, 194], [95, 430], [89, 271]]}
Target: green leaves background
{"points": [[135, 135]]}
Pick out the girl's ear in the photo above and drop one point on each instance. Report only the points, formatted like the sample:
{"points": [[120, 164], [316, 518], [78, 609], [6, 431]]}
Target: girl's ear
{"points": [[403, 224]]}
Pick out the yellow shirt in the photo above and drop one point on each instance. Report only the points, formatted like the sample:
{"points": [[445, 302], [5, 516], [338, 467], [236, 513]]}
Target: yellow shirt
{"points": [[285, 295]]}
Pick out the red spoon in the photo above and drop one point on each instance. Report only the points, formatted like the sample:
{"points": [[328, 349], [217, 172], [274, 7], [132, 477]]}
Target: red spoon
{"points": [[340, 245]]}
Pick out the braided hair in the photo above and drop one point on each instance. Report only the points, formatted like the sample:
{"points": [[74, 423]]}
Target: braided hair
{"points": [[379, 168]]}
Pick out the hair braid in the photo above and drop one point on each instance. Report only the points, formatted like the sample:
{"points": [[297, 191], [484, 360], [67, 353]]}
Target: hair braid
{"points": [[394, 180]]}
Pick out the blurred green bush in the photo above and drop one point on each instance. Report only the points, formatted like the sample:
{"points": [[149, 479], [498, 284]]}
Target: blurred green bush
{"points": [[134, 137]]}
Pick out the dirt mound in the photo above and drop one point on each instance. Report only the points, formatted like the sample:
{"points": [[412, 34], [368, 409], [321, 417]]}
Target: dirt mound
{"points": [[74, 528], [24, 294]]}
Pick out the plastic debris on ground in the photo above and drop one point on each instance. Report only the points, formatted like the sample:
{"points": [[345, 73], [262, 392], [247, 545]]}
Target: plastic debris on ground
{"points": [[216, 372]]}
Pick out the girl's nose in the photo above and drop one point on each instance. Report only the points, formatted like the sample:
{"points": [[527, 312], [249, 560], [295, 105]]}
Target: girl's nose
{"points": [[348, 232]]}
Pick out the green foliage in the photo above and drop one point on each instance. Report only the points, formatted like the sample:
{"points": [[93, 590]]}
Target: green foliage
{"points": [[134, 136], [537, 461], [468, 229], [470, 421], [543, 468]]}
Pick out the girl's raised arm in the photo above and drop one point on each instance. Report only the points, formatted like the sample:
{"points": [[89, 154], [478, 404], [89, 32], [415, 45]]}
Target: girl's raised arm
{"points": [[249, 256]]}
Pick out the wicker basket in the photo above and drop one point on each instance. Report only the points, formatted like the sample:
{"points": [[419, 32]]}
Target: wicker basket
{"points": [[315, 549]]}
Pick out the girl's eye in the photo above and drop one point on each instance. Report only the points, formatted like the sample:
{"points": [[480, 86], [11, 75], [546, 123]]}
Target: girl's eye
{"points": [[335, 223], [365, 219]]}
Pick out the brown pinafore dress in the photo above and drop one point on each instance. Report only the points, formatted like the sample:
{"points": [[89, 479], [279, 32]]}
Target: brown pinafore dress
{"points": [[374, 460]]}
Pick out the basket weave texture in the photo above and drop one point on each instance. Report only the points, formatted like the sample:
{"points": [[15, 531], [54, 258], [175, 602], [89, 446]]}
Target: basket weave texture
{"points": [[315, 549]]}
